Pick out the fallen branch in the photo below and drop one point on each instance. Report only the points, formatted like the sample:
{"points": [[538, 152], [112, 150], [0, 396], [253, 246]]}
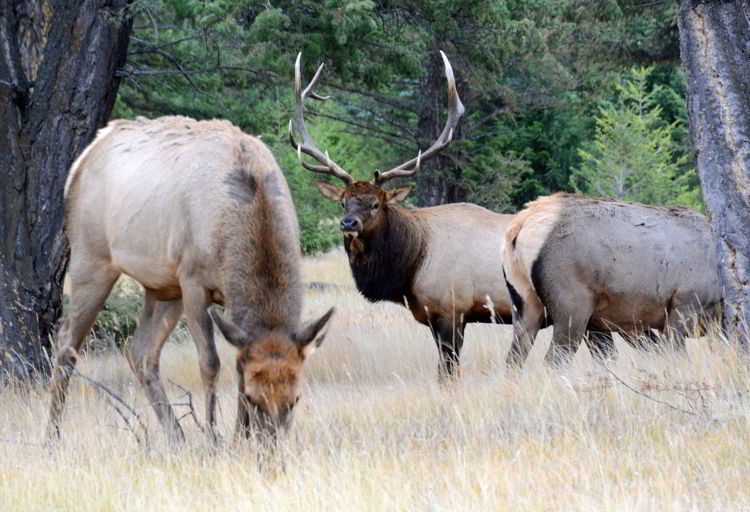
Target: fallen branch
{"points": [[649, 397], [23, 443], [189, 404], [111, 395]]}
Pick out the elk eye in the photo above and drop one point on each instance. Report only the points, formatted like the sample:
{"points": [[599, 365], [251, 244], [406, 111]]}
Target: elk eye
{"points": [[375, 205], [343, 204]]}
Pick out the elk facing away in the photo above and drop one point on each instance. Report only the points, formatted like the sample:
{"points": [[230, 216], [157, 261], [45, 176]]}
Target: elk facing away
{"points": [[198, 213], [605, 264], [442, 261]]}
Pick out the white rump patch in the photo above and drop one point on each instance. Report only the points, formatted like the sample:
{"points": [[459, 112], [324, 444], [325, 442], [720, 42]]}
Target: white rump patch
{"points": [[534, 233], [540, 218]]}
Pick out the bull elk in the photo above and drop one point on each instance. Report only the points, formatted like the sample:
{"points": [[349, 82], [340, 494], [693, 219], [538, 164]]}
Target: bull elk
{"points": [[606, 264], [199, 213], [442, 262]]}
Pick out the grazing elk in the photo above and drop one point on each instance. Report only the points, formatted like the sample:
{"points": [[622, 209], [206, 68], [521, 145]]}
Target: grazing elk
{"points": [[606, 264], [199, 213], [440, 261]]}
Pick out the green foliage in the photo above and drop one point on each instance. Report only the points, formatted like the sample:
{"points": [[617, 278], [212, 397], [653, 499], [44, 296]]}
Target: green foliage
{"points": [[547, 140], [493, 173], [533, 74], [632, 156], [118, 318], [348, 35]]}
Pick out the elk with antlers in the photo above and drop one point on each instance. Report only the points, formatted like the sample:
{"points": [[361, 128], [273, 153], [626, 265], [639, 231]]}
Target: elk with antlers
{"points": [[443, 262]]}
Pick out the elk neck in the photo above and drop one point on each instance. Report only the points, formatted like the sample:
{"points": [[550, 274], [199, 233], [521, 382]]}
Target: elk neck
{"points": [[261, 250], [385, 268]]}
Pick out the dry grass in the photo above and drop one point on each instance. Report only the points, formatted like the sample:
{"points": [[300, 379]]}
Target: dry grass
{"points": [[375, 432]]}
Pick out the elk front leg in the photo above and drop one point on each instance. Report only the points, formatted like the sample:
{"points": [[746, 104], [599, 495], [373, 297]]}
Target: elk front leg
{"points": [[683, 319], [143, 352], [449, 338], [242, 424], [197, 300]]}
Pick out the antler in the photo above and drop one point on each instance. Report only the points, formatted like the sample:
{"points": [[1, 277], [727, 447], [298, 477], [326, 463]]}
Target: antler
{"points": [[307, 146], [455, 111]]}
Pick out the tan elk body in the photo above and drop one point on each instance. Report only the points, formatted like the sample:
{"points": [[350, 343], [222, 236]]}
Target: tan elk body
{"points": [[199, 213], [457, 275], [605, 264]]}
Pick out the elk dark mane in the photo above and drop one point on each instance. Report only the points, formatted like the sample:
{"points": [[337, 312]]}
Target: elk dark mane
{"points": [[385, 268]]}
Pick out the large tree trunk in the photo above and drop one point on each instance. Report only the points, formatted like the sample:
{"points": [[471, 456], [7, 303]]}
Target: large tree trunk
{"points": [[715, 49], [439, 180], [57, 86]]}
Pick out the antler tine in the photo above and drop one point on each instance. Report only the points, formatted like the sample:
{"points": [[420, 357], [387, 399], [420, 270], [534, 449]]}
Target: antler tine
{"points": [[398, 172], [308, 147], [455, 111]]}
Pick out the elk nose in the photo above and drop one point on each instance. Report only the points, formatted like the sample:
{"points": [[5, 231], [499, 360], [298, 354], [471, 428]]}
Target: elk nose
{"points": [[350, 223]]}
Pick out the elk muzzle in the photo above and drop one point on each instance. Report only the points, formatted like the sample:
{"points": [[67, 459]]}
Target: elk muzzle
{"points": [[351, 225], [268, 425]]}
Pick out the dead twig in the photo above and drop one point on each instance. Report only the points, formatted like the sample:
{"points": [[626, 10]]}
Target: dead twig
{"points": [[23, 443], [649, 397], [113, 399], [189, 404]]}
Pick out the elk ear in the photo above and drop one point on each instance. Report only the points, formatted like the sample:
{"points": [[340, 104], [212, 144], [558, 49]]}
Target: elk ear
{"points": [[311, 336], [397, 194], [329, 191], [233, 333]]}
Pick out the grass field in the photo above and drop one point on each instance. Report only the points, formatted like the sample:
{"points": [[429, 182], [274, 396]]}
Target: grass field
{"points": [[374, 430]]}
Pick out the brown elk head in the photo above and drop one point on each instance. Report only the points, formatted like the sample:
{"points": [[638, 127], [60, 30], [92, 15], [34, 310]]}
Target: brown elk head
{"points": [[269, 364], [365, 202]]}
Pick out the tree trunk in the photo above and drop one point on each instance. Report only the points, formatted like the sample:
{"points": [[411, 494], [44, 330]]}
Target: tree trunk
{"points": [[57, 86], [438, 182], [715, 49]]}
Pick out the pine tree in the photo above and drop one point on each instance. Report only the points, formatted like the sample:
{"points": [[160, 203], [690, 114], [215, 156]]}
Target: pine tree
{"points": [[632, 157]]}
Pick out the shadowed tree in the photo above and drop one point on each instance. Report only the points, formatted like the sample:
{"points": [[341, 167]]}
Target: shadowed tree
{"points": [[714, 42], [58, 60]]}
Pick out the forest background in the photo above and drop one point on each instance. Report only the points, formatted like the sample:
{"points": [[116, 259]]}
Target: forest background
{"points": [[586, 96], [560, 95]]}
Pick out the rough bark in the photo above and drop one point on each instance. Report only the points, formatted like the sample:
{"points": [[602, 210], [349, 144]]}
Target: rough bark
{"points": [[57, 86], [715, 50], [438, 182]]}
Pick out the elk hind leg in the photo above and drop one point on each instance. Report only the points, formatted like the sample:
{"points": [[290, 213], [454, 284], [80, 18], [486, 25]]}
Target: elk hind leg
{"points": [[528, 314], [90, 286], [569, 327], [143, 351], [602, 345]]}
